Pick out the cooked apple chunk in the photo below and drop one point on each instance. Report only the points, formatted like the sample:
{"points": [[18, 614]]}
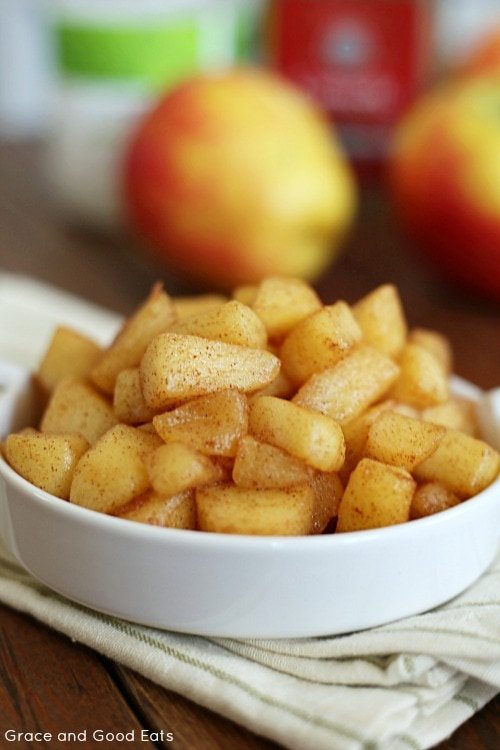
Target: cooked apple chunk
{"points": [[402, 441], [309, 436], [227, 509], [212, 424], [461, 463], [435, 343], [345, 390], [175, 467], [376, 495], [431, 498], [259, 464], [245, 293], [456, 414], [328, 490], [422, 381], [47, 461], [76, 407], [128, 402], [382, 320], [356, 431], [187, 306], [70, 354], [319, 341], [281, 302], [112, 472], [180, 367], [150, 319], [231, 322], [174, 512]]}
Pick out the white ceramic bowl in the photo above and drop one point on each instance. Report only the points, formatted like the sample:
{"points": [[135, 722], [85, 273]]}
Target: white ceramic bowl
{"points": [[243, 587]]}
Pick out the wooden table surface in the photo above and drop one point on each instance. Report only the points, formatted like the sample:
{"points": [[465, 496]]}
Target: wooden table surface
{"points": [[48, 683]]}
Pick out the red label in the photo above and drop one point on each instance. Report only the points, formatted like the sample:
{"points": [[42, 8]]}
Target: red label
{"points": [[361, 60]]}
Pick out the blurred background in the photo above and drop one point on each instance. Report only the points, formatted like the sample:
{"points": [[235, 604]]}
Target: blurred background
{"points": [[106, 145]]}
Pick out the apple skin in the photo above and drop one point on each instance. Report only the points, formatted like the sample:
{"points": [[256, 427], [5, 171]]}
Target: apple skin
{"points": [[236, 176], [444, 176], [484, 58]]}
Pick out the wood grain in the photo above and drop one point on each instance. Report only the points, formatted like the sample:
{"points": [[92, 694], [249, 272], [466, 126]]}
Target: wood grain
{"points": [[481, 732], [49, 684]]}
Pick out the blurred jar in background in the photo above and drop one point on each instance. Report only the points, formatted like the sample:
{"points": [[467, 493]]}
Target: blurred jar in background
{"points": [[114, 57], [364, 61], [26, 71]]}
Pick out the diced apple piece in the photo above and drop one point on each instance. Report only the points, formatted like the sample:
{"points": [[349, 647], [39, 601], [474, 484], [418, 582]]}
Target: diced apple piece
{"points": [[179, 367], [47, 461], [76, 407], [128, 402], [311, 437], [319, 341], [174, 512], [112, 471], [260, 464], [431, 498], [402, 441], [231, 322], [456, 414], [422, 381], [436, 344], [376, 495], [185, 307], [356, 432], [175, 467], [348, 388], [153, 317], [70, 354], [328, 490], [382, 320], [212, 424], [227, 509], [461, 463], [281, 302], [245, 293]]}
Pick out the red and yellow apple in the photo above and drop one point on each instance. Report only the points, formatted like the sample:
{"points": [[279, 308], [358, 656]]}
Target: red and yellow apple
{"points": [[484, 57], [235, 176], [444, 176]]}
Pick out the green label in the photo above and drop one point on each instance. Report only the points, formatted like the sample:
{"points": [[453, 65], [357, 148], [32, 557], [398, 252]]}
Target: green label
{"points": [[157, 56]]}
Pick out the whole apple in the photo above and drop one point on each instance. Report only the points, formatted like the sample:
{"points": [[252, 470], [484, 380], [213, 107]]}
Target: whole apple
{"points": [[444, 176], [236, 176]]}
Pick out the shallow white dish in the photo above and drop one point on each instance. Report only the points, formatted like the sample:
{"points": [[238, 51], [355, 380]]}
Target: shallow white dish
{"points": [[242, 587]]}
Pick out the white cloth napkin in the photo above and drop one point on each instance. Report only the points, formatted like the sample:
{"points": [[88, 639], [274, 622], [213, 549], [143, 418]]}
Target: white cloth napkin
{"points": [[403, 686]]}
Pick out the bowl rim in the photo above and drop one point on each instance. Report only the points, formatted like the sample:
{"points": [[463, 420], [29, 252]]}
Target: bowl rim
{"points": [[202, 539]]}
